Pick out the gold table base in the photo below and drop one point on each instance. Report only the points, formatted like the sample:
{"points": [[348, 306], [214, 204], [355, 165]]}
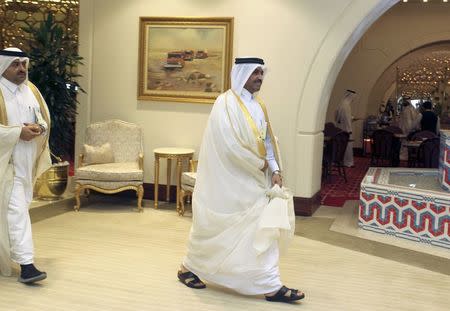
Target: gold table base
{"points": [[178, 154]]}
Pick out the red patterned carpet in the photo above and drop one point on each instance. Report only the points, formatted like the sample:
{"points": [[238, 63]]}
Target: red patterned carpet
{"points": [[335, 191], [71, 167]]}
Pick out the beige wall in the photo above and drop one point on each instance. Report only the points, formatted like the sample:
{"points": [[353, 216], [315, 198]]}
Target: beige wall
{"points": [[304, 44], [86, 34], [401, 29]]}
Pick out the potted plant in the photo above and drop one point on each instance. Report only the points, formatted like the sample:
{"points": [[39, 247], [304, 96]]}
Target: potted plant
{"points": [[53, 62]]}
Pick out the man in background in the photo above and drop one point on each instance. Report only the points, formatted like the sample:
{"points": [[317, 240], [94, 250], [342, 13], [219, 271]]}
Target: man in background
{"points": [[344, 119], [429, 120], [24, 155], [409, 119]]}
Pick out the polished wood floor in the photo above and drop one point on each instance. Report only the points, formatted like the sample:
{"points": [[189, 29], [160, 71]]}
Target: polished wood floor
{"points": [[108, 257]]}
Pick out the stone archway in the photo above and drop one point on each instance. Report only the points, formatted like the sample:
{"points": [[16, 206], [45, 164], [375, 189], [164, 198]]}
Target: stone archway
{"points": [[348, 28]]}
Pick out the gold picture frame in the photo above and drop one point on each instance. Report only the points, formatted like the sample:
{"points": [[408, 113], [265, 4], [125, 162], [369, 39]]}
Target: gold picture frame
{"points": [[184, 59]]}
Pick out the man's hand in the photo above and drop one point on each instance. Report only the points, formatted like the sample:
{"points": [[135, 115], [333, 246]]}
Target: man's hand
{"points": [[266, 165], [277, 179], [30, 131]]}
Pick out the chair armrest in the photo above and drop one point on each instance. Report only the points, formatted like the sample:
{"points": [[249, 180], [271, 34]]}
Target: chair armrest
{"points": [[80, 160], [141, 161], [193, 165]]}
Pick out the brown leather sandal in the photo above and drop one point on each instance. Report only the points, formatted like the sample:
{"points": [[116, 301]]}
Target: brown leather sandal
{"points": [[281, 295], [190, 280]]}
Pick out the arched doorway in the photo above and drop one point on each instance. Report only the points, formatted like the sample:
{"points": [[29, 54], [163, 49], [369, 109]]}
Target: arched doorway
{"points": [[323, 82], [357, 17]]}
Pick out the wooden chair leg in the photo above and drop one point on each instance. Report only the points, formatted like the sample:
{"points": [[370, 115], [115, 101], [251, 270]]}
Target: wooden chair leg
{"points": [[78, 190], [140, 195], [181, 202]]}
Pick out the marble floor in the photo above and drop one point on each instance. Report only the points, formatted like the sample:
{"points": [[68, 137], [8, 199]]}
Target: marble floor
{"points": [[109, 257], [339, 226]]}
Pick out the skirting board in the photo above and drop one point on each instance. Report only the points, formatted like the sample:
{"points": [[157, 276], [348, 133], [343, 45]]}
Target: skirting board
{"points": [[302, 206], [306, 206]]}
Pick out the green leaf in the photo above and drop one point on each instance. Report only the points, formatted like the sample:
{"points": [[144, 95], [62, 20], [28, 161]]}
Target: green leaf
{"points": [[53, 63]]}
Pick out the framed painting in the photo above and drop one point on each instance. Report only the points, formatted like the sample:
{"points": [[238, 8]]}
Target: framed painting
{"points": [[184, 59]]}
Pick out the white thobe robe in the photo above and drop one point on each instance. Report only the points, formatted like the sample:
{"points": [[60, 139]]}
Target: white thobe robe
{"points": [[343, 120], [229, 201], [9, 136], [258, 116], [409, 119], [22, 162]]}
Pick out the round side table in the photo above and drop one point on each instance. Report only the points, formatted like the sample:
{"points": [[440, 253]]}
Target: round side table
{"points": [[179, 154]]}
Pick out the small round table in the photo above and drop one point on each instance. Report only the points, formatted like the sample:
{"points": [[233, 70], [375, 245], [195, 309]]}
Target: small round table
{"points": [[179, 154]]}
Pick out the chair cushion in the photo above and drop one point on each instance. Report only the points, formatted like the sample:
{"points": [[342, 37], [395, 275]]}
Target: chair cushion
{"points": [[188, 179], [110, 172], [109, 185], [98, 154]]}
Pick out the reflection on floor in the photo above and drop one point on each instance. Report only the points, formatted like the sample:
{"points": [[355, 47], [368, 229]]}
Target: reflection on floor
{"points": [[346, 223], [108, 257], [340, 227]]}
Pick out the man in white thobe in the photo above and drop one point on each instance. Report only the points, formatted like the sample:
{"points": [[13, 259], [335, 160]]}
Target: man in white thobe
{"points": [[409, 119], [24, 155], [239, 219], [344, 120]]}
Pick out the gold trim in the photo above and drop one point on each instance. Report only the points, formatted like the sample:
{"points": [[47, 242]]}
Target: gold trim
{"points": [[141, 161], [40, 100], [80, 160], [184, 193], [269, 126], [181, 208], [226, 22], [45, 115], [259, 140], [173, 156], [179, 158], [79, 188], [44, 111], [156, 182], [244, 145], [37, 95], [193, 165], [3, 114]]}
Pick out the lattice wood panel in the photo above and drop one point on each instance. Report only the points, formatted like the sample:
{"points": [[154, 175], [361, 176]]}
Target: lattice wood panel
{"points": [[16, 14]]}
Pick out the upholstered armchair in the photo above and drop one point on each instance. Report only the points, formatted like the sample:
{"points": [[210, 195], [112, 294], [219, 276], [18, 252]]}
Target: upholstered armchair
{"points": [[187, 184], [112, 160]]}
